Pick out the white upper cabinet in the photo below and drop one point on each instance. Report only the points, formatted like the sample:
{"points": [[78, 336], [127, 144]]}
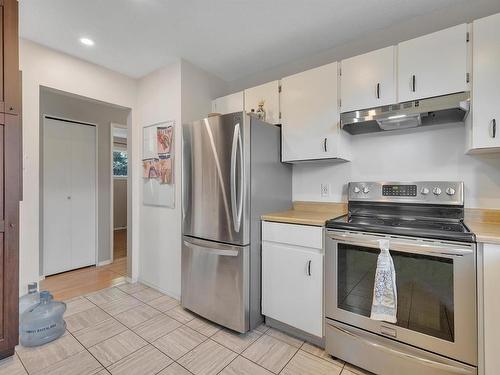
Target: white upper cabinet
{"points": [[229, 103], [485, 119], [368, 80], [310, 116], [433, 65], [269, 93]]}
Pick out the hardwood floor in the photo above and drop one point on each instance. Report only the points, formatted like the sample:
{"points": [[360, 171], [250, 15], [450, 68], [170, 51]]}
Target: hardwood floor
{"points": [[85, 280], [90, 279], [120, 243]]}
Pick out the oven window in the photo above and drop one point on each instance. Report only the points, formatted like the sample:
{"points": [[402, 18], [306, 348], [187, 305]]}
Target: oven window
{"points": [[424, 287]]}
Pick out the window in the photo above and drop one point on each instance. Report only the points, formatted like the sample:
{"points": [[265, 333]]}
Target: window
{"points": [[120, 163]]}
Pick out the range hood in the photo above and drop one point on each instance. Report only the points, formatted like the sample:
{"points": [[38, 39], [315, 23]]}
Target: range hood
{"points": [[432, 111]]}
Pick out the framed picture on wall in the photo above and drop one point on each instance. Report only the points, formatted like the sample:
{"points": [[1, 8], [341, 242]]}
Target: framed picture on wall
{"points": [[158, 154]]}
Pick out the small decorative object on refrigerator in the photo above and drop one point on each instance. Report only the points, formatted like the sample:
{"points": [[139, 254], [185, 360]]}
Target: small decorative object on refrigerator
{"points": [[30, 299], [260, 111], [42, 323]]}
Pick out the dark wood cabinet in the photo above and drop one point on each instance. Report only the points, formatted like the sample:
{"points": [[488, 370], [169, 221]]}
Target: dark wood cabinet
{"points": [[10, 175], [10, 97]]}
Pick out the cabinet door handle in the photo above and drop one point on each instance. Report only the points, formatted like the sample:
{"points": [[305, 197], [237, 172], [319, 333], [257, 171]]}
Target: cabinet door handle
{"points": [[493, 128], [413, 82], [325, 144], [309, 268], [378, 90]]}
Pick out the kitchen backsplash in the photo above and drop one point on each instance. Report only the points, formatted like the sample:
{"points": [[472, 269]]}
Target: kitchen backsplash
{"points": [[411, 155]]}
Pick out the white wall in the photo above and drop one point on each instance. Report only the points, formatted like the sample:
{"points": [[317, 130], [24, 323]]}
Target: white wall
{"points": [[198, 90], [430, 153], [45, 67], [179, 92], [159, 99]]}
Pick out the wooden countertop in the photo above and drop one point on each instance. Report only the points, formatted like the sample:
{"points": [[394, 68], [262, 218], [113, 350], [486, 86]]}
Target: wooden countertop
{"points": [[308, 213], [484, 223]]}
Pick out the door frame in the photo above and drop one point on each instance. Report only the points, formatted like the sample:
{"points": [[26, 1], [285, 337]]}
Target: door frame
{"points": [[112, 193], [41, 225]]}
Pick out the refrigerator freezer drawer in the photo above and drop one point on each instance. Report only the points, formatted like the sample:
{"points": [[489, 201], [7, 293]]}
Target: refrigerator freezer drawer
{"points": [[215, 282]]}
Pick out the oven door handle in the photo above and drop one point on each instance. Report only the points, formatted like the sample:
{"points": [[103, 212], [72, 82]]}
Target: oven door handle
{"points": [[406, 247], [426, 362]]}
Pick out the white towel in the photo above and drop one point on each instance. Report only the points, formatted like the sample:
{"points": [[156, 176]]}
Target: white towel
{"points": [[385, 299]]}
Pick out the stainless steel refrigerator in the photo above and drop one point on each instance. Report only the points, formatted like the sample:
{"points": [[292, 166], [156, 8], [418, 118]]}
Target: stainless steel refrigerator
{"points": [[231, 175]]}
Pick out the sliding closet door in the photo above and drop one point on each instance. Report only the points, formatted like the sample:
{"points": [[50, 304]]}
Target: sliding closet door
{"points": [[56, 196], [83, 195], [69, 195]]}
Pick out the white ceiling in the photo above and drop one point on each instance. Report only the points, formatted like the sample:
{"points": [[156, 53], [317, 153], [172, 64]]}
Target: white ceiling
{"points": [[230, 38]]}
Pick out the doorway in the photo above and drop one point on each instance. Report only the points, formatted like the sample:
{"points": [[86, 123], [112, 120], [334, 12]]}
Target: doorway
{"points": [[106, 267]]}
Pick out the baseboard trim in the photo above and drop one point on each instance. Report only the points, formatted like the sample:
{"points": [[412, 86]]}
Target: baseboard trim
{"points": [[168, 293], [104, 263], [292, 331], [131, 280]]}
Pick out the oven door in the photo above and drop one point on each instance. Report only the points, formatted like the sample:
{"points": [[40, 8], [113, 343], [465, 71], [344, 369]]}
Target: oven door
{"points": [[436, 291]]}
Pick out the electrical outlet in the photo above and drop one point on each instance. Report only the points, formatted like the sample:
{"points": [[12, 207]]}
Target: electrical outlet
{"points": [[325, 190]]}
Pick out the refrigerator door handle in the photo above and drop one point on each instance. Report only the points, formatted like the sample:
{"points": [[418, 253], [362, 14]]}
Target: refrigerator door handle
{"points": [[237, 203], [214, 248]]}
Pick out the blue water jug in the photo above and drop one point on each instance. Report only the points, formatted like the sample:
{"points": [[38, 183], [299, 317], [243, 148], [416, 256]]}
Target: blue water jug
{"points": [[42, 323], [29, 300]]}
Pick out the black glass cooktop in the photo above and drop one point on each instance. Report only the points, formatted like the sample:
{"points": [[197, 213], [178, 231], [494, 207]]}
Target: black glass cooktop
{"points": [[426, 221], [427, 228]]}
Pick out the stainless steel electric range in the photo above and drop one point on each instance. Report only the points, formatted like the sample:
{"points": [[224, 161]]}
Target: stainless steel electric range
{"points": [[434, 255]]}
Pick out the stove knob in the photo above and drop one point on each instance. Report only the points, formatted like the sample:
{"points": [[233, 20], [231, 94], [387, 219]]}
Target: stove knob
{"points": [[424, 191], [450, 191], [436, 191], [366, 190], [356, 189]]}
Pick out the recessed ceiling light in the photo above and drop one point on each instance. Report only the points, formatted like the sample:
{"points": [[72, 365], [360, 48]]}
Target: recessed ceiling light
{"points": [[87, 41]]}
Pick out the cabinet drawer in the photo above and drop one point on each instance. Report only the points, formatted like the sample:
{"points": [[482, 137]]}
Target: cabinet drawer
{"points": [[293, 234]]}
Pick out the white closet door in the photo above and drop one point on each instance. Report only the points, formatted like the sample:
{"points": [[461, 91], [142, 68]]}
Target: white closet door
{"points": [[83, 195], [56, 196], [69, 196]]}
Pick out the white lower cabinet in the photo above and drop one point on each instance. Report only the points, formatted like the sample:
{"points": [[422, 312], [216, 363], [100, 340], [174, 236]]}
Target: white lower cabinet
{"points": [[292, 276], [489, 309]]}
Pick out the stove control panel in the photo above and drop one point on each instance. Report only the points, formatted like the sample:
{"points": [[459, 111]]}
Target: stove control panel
{"points": [[399, 190], [424, 192]]}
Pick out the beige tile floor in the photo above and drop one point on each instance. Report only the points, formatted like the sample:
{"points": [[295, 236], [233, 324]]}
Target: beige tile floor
{"points": [[133, 329]]}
